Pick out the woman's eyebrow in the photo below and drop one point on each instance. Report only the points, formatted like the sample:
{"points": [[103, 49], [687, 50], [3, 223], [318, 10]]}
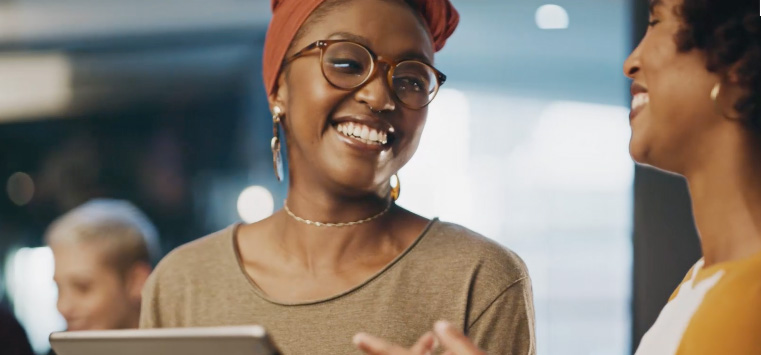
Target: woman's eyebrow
{"points": [[415, 55], [409, 55], [654, 4], [351, 37]]}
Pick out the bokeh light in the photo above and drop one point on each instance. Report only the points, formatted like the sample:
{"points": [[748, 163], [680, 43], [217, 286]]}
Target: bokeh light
{"points": [[255, 203]]}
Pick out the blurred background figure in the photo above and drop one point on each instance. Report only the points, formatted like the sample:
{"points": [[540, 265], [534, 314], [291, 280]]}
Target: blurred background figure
{"points": [[104, 251]]}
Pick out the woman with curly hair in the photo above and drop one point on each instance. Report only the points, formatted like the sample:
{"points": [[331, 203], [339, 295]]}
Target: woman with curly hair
{"points": [[349, 82], [696, 112]]}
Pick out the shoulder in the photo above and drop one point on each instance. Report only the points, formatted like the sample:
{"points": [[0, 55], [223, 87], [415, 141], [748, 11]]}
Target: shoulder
{"points": [[186, 276], [456, 249], [199, 256], [463, 244], [735, 299], [489, 274], [728, 321], [738, 294]]}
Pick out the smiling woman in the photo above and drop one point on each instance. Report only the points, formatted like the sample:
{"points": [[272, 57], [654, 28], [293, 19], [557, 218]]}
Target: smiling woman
{"points": [[695, 112], [349, 82]]}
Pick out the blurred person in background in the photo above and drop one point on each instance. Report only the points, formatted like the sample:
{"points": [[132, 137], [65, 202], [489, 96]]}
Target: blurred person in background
{"points": [[104, 251], [696, 112], [13, 338], [349, 82]]}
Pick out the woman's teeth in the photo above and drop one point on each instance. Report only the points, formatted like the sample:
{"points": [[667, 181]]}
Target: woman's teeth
{"points": [[365, 134], [640, 100]]}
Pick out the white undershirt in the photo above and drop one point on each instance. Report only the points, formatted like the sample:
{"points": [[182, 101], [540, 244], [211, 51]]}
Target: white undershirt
{"points": [[666, 334]]}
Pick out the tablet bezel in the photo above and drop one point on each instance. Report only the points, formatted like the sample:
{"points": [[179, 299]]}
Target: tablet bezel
{"points": [[254, 332]]}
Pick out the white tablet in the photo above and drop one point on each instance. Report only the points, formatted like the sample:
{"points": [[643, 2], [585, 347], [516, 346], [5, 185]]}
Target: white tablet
{"points": [[245, 340]]}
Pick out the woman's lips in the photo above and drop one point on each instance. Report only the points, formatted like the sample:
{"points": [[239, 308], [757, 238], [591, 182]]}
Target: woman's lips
{"points": [[639, 102], [359, 143], [363, 133], [640, 99]]}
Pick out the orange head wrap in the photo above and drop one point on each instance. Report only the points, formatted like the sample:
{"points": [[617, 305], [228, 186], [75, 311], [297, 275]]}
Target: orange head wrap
{"points": [[288, 16]]}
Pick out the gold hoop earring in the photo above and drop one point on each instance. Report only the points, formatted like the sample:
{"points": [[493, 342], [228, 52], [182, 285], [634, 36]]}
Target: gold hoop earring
{"points": [[277, 155], [715, 92], [396, 187]]}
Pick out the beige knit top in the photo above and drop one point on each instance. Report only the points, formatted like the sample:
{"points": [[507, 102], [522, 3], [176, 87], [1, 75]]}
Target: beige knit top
{"points": [[448, 273]]}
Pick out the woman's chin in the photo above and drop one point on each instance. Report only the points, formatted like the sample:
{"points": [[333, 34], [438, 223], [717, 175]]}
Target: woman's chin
{"points": [[355, 184], [638, 151], [646, 156], [643, 156]]}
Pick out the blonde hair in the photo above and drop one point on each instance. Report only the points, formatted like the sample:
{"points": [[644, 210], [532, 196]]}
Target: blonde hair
{"points": [[124, 233]]}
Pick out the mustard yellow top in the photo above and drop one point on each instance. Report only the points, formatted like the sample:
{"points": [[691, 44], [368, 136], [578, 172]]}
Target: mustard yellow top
{"points": [[716, 310]]}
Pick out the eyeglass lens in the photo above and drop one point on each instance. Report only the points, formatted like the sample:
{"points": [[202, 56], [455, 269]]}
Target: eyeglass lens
{"points": [[347, 65]]}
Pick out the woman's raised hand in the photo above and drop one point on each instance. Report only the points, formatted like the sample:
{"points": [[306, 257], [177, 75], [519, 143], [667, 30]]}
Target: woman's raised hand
{"points": [[452, 339]]}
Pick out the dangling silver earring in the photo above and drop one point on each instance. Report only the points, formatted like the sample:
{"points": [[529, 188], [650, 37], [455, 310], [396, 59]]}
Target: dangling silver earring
{"points": [[277, 155]]}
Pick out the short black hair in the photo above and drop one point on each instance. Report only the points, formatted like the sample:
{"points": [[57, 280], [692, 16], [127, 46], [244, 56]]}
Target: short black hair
{"points": [[729, 33]]}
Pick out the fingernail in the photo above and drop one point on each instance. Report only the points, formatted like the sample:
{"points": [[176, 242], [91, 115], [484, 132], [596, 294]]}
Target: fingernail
{"points": [[357, 338], [442, 326]]}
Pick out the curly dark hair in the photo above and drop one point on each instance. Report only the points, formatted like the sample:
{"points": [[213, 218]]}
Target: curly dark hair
{"points": [[729, 33]]}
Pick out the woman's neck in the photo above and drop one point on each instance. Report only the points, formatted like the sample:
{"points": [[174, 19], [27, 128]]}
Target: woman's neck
{"points": [[334, 248], [318, 205], [726, 201]]}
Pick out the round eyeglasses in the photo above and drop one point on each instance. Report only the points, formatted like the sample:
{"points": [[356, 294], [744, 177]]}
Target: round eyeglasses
{"points": [[348, 65]]}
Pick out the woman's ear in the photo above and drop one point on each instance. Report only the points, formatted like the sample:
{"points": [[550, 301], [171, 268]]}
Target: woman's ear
{"points": [[732, 75], [733, 87], [273, 101], [279, 97], [728, 93]]}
